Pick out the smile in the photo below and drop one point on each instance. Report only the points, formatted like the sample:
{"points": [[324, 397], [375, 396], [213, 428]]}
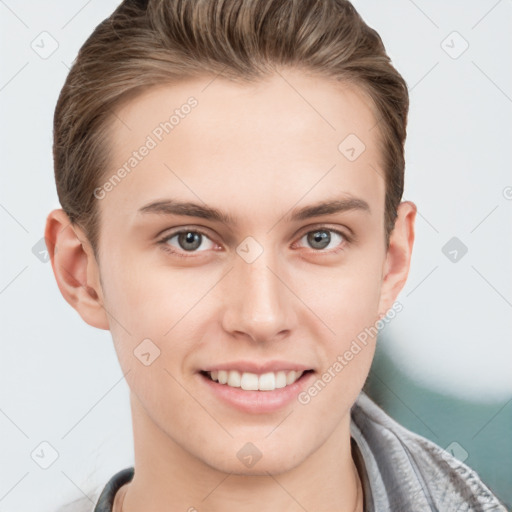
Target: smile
{"points": [[253, 382]]}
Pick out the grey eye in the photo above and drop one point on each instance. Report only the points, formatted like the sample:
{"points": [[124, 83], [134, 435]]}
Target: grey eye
{"points": [[189, 240], [321, 238]]}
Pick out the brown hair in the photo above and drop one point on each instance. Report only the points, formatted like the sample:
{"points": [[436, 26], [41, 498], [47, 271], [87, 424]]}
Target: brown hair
{"points": [[146, 43]]}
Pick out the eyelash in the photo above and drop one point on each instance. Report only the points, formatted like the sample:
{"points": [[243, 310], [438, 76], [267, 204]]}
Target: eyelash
{"points": [[166, 247]]}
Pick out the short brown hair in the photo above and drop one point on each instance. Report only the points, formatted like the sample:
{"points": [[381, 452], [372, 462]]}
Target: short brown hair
{"points": [[153, 42]]}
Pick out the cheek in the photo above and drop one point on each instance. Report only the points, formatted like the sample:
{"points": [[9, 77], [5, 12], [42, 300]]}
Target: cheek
{"points": [[147, 297], [346, 298], [152, 302], [349, 306], [148, 318], [347, 301]]}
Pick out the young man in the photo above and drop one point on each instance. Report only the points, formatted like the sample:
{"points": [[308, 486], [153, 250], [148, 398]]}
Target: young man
{"points": [[230, 175]]}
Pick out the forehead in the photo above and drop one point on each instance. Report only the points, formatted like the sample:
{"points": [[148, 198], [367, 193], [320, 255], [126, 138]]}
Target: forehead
{"points": [[291, 134]]}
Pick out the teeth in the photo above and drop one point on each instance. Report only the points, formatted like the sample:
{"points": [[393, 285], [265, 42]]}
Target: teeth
{"points": [[249, 381], [266, 382], [253, 382], [234, 379], [291, 377], [282, 380]]}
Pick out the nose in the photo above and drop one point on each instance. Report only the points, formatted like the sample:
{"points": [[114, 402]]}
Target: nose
{"points": [[259, 304]]}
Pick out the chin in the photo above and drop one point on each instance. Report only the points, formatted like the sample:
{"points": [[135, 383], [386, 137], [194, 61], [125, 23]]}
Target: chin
{"points": [[249, 460], [261, 468]]}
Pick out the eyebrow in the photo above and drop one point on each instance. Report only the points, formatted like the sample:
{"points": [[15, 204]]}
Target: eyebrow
{"points": [[189, 209]]}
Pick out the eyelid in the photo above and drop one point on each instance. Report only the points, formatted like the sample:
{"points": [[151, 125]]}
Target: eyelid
{"points": [[169, 232]]}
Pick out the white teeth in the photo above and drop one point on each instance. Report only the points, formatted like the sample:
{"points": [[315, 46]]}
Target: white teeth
{"points": [[290, 377], [234, 379], [281, 379], [266, 382], [249, 382], [253, 382]]}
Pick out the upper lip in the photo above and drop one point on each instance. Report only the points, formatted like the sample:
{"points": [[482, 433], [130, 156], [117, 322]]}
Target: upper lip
{"points": [[258, 367]]}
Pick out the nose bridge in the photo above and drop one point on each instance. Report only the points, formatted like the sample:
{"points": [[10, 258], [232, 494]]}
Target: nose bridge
{"points": [[259, 303]]}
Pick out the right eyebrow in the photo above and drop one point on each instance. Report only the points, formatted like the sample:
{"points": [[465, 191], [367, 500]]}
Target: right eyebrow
{"points": [[173, 207]]}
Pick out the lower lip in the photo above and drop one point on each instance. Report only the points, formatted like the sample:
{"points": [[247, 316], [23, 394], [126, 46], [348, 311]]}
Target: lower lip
{"points": [[258, 401]]}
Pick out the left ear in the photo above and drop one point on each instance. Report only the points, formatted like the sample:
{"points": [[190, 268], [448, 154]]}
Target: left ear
{"points": [[398, 256]]}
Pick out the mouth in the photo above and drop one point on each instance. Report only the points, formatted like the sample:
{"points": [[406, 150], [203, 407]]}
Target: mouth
{"points": [[248, 381]]}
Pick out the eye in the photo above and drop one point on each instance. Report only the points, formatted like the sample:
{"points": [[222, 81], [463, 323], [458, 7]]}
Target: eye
{"points": [[186, 240], [322, 238], [189, 241]]}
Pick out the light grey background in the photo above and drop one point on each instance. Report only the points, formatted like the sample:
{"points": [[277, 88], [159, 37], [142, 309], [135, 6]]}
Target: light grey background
{"points": [[60, 379]]}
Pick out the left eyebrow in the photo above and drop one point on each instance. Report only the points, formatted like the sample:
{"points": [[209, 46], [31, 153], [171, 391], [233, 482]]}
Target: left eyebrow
{"points": [[329, 207]]}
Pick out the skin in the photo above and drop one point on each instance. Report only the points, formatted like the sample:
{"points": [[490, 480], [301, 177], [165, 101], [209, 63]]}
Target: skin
{"points": [[256, 152]]}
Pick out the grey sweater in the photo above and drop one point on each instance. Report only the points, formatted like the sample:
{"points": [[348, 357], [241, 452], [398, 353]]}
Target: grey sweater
{"points": [[400, 471]]}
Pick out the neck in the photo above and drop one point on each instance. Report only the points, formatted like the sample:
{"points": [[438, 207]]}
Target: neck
{"points": [[167, 477]]}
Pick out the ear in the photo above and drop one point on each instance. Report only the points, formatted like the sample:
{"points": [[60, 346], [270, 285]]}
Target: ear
{"points": [[398, 256], [75, 268]]}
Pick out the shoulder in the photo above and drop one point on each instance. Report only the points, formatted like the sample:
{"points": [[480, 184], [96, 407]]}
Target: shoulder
{"points": [[412, 471]]}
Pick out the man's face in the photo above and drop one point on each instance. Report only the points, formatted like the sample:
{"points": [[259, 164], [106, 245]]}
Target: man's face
{"points": [[264, 288]]}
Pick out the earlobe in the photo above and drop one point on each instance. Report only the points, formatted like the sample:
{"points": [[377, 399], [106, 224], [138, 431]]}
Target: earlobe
{"points": [[398, 257], [75, 268]]}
